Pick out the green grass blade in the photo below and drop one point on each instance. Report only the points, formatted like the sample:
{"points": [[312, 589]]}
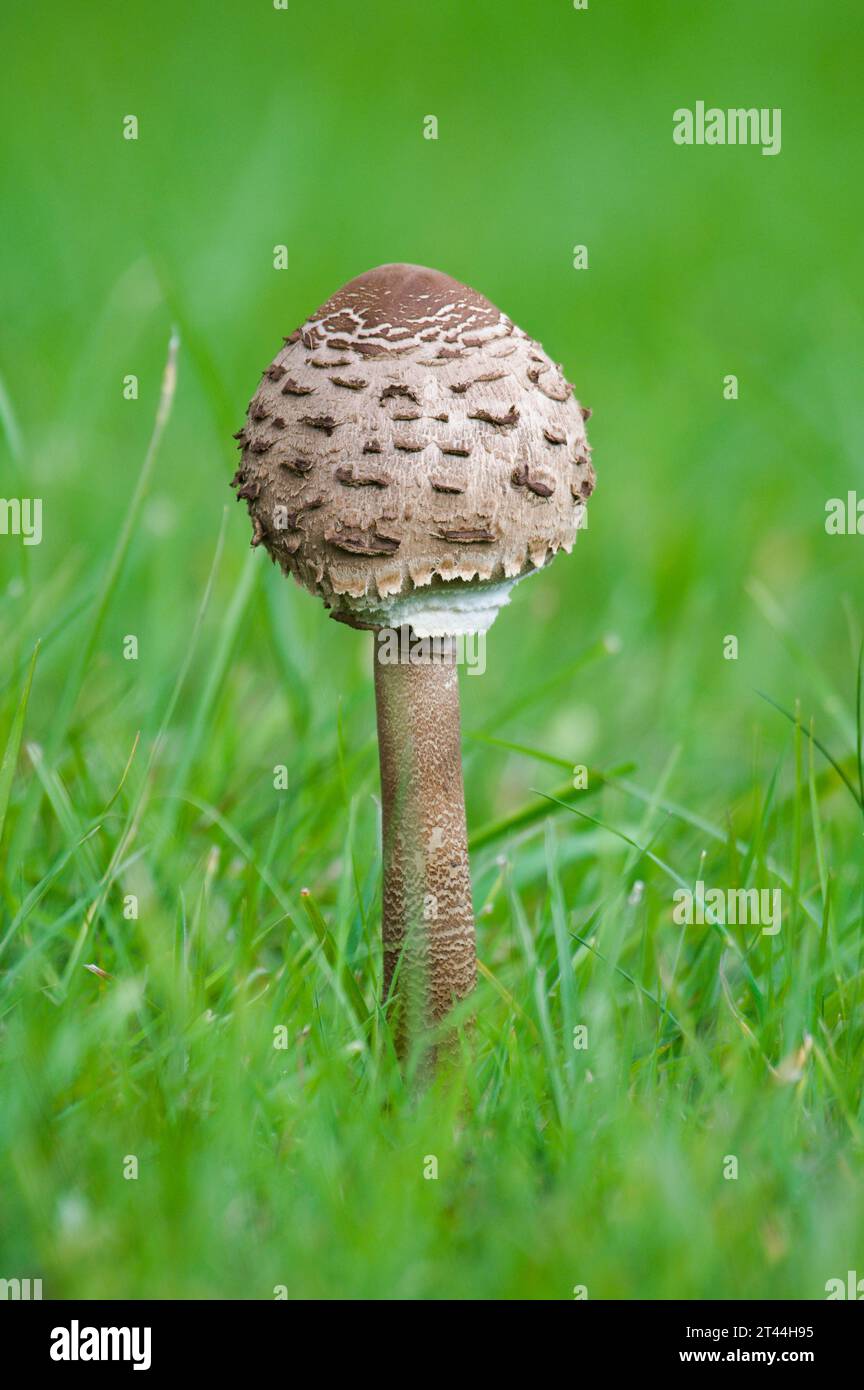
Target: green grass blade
{"points": [[858, 797], [13, 745]]}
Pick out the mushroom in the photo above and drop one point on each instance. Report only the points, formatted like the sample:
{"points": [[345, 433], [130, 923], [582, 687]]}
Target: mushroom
{"points": [[444, 459]]}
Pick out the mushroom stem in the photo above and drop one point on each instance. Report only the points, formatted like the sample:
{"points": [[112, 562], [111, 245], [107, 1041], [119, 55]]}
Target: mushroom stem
{"points": [[428, 919]]}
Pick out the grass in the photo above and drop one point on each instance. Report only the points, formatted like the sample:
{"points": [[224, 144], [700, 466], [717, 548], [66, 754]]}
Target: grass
{"points": [[233, 1047], [189, 957]]}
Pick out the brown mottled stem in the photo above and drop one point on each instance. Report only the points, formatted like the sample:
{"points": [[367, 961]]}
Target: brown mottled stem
{"points": [[428, 919]]}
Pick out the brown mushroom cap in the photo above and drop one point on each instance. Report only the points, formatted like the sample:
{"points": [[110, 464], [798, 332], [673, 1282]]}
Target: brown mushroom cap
{"points": [[409, 437]]}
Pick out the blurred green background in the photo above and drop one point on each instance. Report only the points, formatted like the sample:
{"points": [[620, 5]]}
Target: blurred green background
{"points": [[304, 127]]}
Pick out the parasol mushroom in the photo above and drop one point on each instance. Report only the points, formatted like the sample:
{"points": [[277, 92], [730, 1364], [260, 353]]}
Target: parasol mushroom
{"points": [[408, 456]]}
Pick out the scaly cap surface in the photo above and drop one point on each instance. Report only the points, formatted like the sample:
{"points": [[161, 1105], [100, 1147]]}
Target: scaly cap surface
{"points": [[410, 437]]}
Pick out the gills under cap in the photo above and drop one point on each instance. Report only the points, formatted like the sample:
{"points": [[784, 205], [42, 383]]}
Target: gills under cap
{"points": [[411, 453]]}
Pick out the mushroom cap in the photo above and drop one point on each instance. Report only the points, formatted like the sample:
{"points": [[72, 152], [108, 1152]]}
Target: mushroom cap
{"points": [[408, 440]]}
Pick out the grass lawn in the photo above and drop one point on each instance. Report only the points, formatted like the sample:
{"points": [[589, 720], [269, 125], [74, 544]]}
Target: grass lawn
{"points": [[198, 1096]]}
